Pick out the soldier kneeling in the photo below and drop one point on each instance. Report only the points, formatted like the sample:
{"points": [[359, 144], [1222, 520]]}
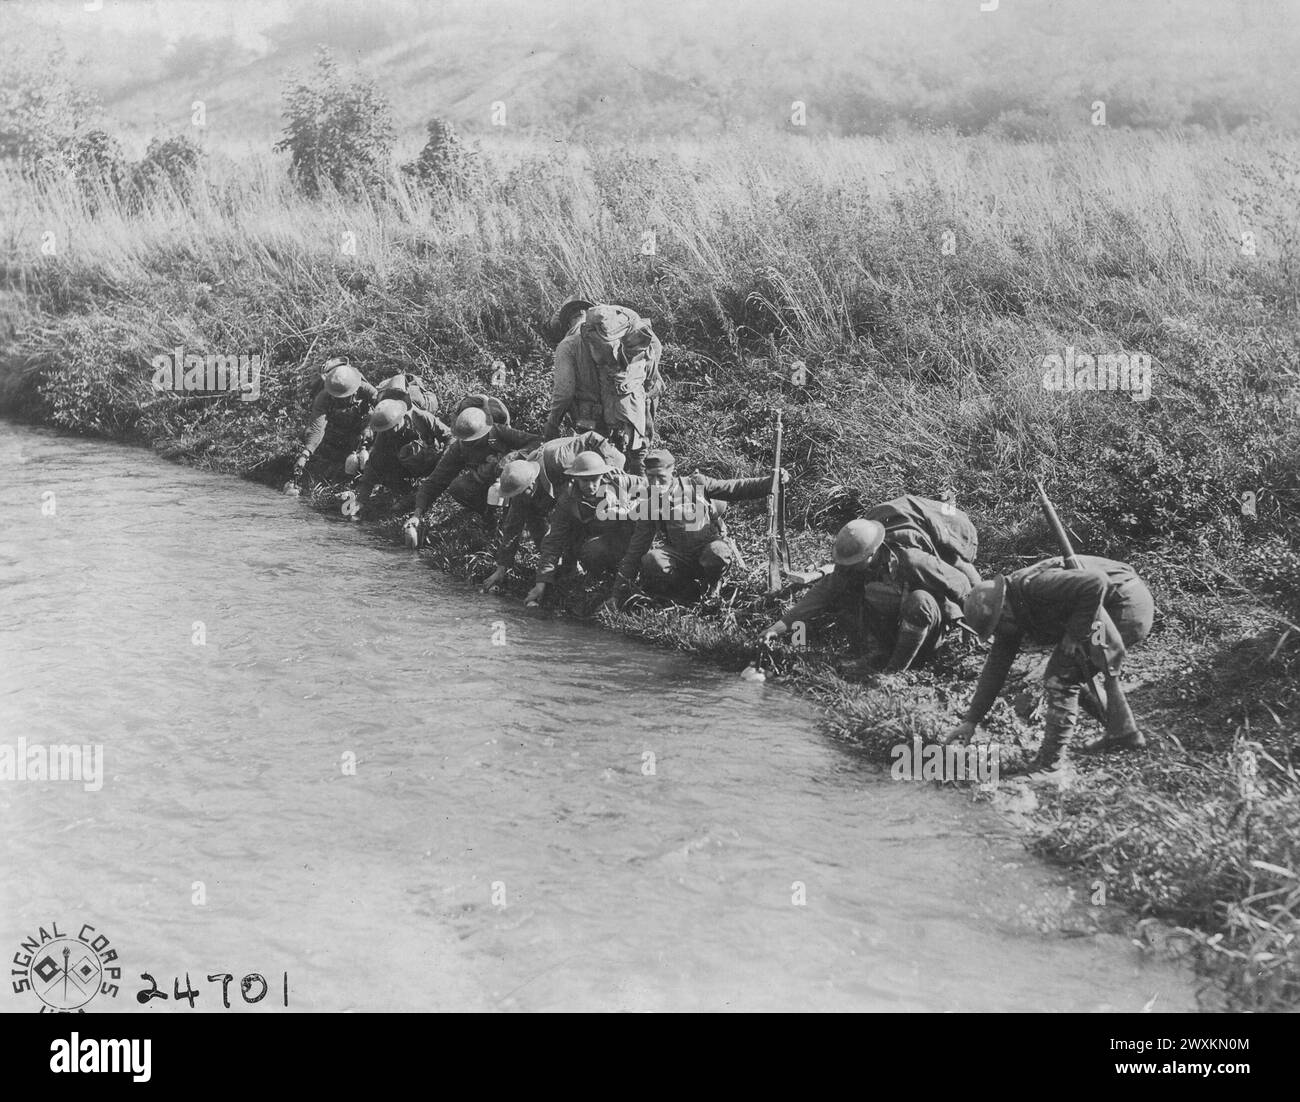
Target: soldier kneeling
{"points": [[901, 598], [687, 514]]}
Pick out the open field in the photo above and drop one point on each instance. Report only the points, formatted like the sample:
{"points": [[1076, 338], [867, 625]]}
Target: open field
{"points": [[920, 282]]}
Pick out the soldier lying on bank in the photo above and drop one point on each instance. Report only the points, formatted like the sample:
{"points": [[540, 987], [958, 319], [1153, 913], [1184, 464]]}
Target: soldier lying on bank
{"points": [[687, 514], [589, 523], [900, 598], [528, 490], [1049, 605]]}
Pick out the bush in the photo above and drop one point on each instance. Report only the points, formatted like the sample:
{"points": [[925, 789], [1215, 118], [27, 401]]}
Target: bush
{"points": [[95, 160], [168, 163], [445, 161], [338, 133], [40, 110]]}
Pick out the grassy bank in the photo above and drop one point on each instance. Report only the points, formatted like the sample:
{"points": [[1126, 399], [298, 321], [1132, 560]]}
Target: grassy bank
{"points": [[919, 283]]}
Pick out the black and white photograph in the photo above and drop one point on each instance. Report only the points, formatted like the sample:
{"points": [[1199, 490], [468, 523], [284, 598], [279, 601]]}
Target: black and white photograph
{"points": [[651, 506]]}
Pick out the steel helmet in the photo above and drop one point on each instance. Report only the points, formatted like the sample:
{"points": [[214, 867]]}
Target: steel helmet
{"points": [[563, 320], [343, 381], [471, 424], [587, 465], [517, 476], [982, 608], [858, 541], [388, 414]]}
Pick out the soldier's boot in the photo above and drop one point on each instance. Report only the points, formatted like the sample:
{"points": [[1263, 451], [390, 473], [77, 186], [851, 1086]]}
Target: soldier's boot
{"points": [[1107, 745], [910, 642], [919, 618], [1121, 733], [1061, 700]]}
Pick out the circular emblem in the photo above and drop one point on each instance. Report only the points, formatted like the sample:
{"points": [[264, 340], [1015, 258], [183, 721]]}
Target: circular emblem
{"points": [[66, 974], [66, 970]]}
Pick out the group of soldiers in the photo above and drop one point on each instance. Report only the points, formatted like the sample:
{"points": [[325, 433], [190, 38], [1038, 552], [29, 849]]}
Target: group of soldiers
{"points": [[599, 498]]}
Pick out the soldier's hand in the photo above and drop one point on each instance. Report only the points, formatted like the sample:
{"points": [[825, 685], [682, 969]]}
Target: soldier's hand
{"points": [[535, 595], [772, 631], [493, 581], [785, 477], [962, 733]]}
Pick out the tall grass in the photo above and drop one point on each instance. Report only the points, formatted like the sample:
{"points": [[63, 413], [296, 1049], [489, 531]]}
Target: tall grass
{"points": [[919, 281]]}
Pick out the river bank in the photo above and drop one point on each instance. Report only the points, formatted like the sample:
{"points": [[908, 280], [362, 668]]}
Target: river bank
{"points": [[1137, 833], [394, 796], [922, 372]]}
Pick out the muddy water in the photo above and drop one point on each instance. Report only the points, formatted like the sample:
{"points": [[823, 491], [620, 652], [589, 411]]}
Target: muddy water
{"points": [[503, 841]]}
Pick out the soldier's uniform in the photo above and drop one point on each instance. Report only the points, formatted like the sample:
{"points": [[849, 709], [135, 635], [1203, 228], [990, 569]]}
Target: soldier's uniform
{"points": [[336, 427], [404, 453], [901, 604], [596, 530], [530, 511], [469, 467], [685, 514], [1051, 604], [616, 398]]}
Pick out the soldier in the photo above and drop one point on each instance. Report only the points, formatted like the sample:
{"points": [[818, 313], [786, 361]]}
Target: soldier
{"points": [[607, 378], [407, 444], [340, 412], [589, 521], [339, 419], [687, 513], [528, 489], [902, 597], [1049, 605], [470, 466]]}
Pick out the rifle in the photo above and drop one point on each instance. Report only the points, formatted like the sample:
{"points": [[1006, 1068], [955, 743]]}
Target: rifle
{"points": [[778, 554], [1110, 700]]}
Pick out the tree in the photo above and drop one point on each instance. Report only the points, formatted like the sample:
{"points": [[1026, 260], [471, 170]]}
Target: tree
{"points": [[338, 133]]}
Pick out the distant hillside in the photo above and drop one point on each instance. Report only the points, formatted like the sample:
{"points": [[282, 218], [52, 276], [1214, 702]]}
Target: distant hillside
{"points": [[689, 67]]}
